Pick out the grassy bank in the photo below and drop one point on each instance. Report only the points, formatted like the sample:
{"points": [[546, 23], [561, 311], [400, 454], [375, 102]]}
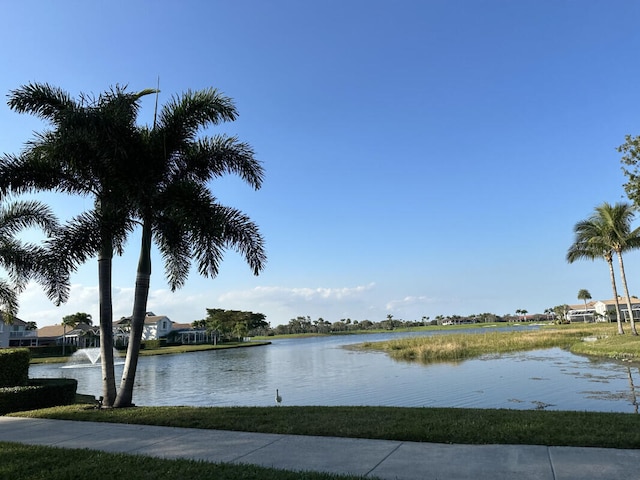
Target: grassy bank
{"points": [[441, 425], [589, 339]]}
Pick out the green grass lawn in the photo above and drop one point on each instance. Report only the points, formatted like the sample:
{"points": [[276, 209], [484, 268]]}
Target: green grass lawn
{"points": [[22, 462], [441, 425]]}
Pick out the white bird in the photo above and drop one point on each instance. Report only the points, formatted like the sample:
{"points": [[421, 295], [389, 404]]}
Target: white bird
{"points": [[278, 397]]}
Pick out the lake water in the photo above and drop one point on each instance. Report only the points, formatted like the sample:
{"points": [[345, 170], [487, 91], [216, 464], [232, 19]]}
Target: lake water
{"points": [[320, 371]]}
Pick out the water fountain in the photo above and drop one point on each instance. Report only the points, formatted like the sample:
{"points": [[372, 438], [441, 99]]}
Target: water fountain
{"points": [[84, 357]]}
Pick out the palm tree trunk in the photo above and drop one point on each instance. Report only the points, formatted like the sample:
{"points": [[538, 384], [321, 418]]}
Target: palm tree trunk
{"points": [[141, 295], [626, 292], [106, 327], [615, 295]]}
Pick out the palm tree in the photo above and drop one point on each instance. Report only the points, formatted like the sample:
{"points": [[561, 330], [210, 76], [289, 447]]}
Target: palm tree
{"points": [[25, 261], [622, 239], [178, 211], [561, 311], [87, 152], [73, 321], [157, 177], [583, 294], [605, 232]]}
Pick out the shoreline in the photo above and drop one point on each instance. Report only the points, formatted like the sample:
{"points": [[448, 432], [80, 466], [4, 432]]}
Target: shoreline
{"points": [[172, 350]]}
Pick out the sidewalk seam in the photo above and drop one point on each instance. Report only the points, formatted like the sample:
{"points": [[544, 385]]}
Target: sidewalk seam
{"points": [[384, 458], [279, 439], [553, 472]]}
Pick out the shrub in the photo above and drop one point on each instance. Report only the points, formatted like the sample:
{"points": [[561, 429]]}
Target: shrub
{"points": [[38, 393], [51, 350], [154, 344], [14, 367]]}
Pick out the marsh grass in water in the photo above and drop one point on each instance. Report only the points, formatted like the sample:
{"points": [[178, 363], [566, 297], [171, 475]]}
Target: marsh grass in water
{"points": [[462, 346]]}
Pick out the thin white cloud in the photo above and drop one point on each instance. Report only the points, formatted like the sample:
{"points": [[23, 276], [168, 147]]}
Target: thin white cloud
{"points": [[408, 301], [280, 304], [182, 307], [289, 294]]}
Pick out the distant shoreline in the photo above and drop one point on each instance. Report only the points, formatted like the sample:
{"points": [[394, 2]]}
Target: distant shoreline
{"points": [[172, 350]]}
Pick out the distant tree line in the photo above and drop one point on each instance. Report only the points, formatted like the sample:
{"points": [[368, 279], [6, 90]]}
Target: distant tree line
{"points": [[237, 324], [233, 324]]}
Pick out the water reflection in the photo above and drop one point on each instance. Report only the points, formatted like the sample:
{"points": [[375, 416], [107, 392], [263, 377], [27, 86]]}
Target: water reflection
{"points": [[319, 371]]}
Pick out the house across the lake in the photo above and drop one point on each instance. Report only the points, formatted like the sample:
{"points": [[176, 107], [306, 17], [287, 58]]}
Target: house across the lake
{"points": [[86, 336], [81, 336], [603, 310], [16, 334]]}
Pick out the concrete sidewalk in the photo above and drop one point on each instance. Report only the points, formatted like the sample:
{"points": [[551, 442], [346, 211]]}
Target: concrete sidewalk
{"points": [[371, 458]]}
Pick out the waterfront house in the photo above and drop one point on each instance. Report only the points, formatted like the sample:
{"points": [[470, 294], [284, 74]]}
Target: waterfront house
{"points": [[607, 309], [81, 336], [582, 313], [603, 310], [155, 327], [16, 333], [186, 334]]}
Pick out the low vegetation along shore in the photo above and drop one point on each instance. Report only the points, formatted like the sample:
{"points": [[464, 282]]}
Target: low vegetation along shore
{"points": [[586, 339]]}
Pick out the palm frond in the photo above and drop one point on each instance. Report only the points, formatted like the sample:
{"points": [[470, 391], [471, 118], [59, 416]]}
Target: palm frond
{"points": [[8, 302], [21, 215], [43, 100], [219, 155], [182, 117]]}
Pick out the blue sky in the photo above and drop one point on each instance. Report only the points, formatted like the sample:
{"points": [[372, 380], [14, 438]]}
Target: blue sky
{"points": [[422, 158]]}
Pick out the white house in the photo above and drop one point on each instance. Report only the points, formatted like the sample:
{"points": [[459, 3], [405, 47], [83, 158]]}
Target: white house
{"points": [[607, 308], [155, 327], [603, 311]]}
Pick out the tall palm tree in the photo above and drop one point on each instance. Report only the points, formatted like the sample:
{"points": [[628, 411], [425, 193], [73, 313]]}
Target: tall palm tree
{"points": [[25, 261], [72, 321], [176, 208], [87, 152], [583, 294], [605, 232], [618, 219]]}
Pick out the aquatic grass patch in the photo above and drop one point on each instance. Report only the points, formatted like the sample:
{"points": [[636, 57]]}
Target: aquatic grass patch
{"points": [[614, 346], [461, 346], [20, 462], [440, 425]]}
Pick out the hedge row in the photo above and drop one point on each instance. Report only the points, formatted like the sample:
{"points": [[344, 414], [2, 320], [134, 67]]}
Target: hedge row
{"points": [[38, 393], [14, 366], [52, 350]]}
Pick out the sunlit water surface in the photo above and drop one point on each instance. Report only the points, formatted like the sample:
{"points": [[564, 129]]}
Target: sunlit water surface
{"points": [[320, 371]]}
